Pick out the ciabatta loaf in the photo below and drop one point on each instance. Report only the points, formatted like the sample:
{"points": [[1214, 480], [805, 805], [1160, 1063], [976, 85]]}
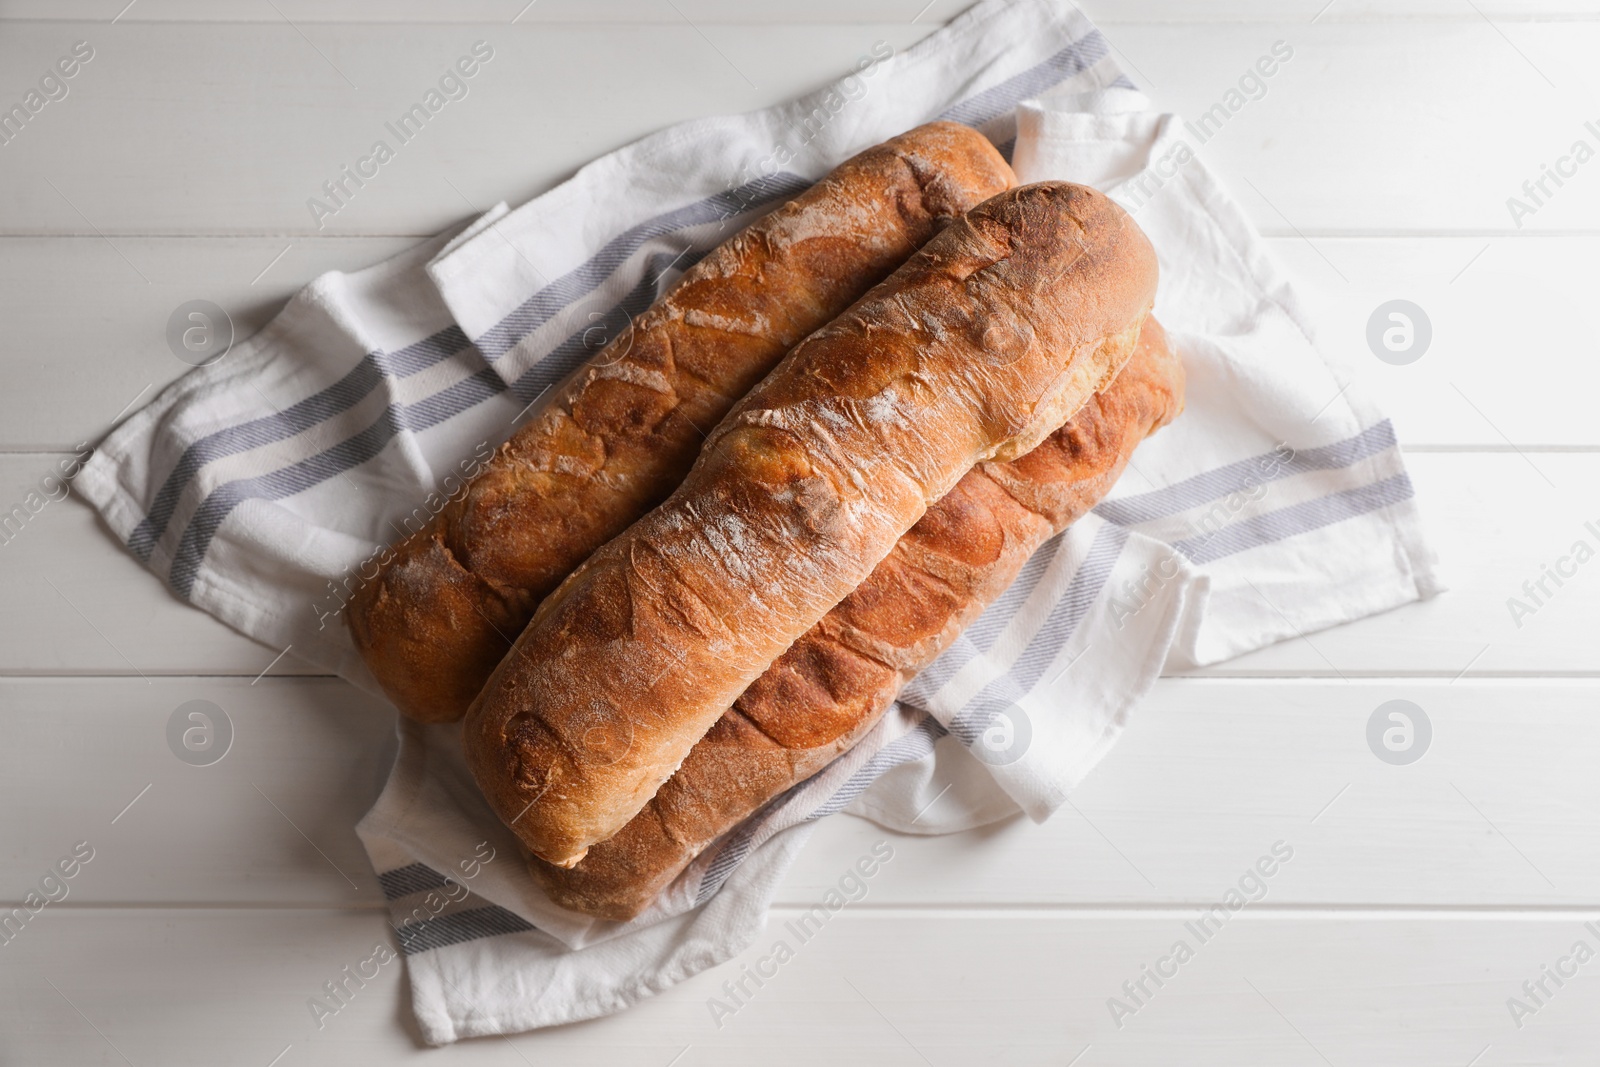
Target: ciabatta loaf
{"points": [[619, 435], [979, 347], [834, 684]]}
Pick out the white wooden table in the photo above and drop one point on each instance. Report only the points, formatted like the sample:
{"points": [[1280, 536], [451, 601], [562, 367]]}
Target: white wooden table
{"points": [[1419, 898]]}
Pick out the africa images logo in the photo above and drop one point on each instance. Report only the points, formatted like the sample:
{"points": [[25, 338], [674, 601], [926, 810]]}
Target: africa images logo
{"points": [[452, 85]]}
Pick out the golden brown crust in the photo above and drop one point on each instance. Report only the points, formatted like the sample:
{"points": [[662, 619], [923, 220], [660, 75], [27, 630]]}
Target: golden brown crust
{"points": [[621, 433], [980, 346], [834, 684]]}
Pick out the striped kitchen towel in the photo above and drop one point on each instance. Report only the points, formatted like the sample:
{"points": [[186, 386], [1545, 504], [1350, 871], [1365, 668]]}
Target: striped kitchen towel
{"points": [[261, 486]]}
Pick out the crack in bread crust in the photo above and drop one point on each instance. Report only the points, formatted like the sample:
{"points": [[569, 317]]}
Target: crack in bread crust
{"points": [[618, 435], [1028, 500], [813, 478]]}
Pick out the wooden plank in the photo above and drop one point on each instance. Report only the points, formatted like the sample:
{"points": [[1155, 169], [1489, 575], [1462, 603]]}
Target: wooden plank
{"points": [[1207, 779], [92, 607], [551, 99], [1490, 303], [1210, 774], [1351, 136], [1485, 298], [85, 337], [1497, 520], [1419, 898], [772, 12], [1494, 518], [872, 987], [1374, 128], [306, 760]]}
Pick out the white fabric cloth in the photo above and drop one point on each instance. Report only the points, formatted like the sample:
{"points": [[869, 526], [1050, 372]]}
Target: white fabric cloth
{"points": [[260, 488]]}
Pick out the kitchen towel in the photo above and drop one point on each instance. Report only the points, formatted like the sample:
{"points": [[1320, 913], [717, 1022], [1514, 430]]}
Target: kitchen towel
{"points": [[260, 486]]}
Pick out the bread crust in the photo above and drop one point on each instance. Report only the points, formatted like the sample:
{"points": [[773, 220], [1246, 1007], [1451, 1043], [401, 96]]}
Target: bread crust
{"points": [[619, 434], [834, 684], [977, 348]]}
